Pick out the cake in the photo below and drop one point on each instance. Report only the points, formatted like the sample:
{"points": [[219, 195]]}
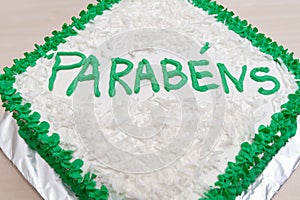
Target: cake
{"points": [[155, 100]]}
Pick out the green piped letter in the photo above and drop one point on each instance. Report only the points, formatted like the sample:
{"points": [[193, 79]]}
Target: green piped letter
{"points": [[148, 75], [239, 84], [115, 76], [264, 79], [93, 61], [199, 75], [57, 67], [170, 74]]}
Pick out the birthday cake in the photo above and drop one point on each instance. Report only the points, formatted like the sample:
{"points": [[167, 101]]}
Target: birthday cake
{"points": [[142, 99]]}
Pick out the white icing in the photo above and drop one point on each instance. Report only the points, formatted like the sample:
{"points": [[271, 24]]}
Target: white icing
{"points": [[218, 133]]}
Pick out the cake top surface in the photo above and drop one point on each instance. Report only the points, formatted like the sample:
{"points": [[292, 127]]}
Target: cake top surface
{"points": [[170, 91]]}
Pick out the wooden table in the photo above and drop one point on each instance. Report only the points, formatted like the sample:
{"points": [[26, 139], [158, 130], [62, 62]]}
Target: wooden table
{"points": [[24, 23]]}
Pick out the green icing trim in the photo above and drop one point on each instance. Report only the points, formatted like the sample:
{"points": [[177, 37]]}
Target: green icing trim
{"points": [[239, 84], [148, 75], [36, 133], [253, 158], [200, 75], [250, 161], [57, 67], [115, 76], [170, 74], [93, 61], [264, 79], [204, 48]]}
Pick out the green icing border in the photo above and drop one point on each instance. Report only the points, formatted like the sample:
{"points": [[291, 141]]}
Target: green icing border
{"points": [[250, 161], [253, 158], [35, 132]]}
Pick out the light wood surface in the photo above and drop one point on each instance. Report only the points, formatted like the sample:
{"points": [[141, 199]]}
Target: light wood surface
{"points": [[23, 23]]}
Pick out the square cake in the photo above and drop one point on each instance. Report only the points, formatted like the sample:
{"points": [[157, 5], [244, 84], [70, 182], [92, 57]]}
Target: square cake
{"points": [[140, 99]]}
